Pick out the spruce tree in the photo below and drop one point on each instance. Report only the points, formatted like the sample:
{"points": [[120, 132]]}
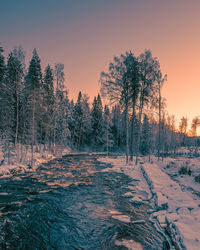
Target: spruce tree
{"points": [[33, 86], [86, 124], [78, 122], [96, 121], [2, 74], [12, 91], [48, 105]]}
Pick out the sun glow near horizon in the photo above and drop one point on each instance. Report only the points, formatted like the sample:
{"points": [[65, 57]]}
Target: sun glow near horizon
{"points": [[86, 36]]}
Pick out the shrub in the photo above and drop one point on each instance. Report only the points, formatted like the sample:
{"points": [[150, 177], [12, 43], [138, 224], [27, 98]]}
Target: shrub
{"points": [[185, 170], [197, 178], [170, 164]]}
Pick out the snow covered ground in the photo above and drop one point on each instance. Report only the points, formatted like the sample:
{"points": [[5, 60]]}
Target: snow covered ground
{"points": [[17, 166], [176, 195], [170, 183]]}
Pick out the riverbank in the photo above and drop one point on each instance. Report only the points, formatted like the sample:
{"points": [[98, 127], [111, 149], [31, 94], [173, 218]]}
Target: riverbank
{"points": [[21, 163], [177, 206]]}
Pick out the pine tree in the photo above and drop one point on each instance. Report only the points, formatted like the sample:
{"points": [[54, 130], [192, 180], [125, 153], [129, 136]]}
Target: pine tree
{"points": [[86, 124], [12, 90], [78, 122], [48, 105], [2, 74], [96, 121]]}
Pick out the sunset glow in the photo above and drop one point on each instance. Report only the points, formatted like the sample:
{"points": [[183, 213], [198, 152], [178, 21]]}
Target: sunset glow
{"points": [[85, 35]]}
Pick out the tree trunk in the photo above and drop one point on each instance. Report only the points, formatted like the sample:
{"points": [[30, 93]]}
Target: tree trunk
{"points": [[132, 134], [139, 130], [127, 135], [107, 136], [159, 125], [149, 143], [33, 127], [17, 120]]}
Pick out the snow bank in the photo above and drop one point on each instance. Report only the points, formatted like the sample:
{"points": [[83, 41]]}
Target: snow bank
{"points": [[16, 166], [178, 210], [119, 165]]}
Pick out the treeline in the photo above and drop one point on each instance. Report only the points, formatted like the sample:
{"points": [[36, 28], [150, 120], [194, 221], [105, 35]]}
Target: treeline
{"points": [[37, 115], [135, 84]]}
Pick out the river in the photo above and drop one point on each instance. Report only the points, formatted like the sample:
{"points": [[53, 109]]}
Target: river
{"points": [[73, 203]]}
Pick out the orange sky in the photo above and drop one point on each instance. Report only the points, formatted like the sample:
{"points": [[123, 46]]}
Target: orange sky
{"points": [[85, 35]]}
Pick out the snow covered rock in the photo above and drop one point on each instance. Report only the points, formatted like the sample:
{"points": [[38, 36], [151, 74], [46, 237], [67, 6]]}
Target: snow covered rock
{"points": [[161, 201]]}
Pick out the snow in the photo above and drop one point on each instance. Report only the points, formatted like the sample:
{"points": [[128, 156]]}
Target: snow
{"points": [[177, 204], [177, 197], [16, 166], [123, 218], [130, 244]]}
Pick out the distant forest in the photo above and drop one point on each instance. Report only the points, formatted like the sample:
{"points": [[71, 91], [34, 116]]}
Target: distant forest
{"points": [[37, 115]]}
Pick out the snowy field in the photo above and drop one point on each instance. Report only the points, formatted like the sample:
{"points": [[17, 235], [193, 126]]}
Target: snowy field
{"points": [[175, 192]]}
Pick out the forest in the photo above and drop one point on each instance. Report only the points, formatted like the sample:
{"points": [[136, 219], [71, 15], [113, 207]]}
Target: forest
{"points": [[128, 115]]}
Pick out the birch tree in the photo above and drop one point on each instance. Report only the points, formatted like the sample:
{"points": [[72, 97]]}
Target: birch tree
{"points": [[116, 85], [148, 70]]}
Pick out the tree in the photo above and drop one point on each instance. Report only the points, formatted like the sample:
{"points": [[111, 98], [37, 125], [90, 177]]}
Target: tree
{"points": [[78, 122], [86, 125], [116, 85], [2, 74], [116, 126], [160, 82], [59, 75], [11, 91], [48, 104], [132, 76], [106, 129], [2, 64], [194, 126], [145, 137], [96, 121], [149, 68], [61, 107], [33, 85], [183, 128]]}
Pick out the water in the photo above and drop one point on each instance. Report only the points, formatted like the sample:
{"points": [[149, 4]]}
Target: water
{"points": [[70, 203]]}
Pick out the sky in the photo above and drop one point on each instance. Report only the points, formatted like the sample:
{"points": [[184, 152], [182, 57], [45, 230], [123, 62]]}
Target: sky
{"points": [[85, 35]]}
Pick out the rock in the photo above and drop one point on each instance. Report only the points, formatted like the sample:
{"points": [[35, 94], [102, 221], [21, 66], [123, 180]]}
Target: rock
{"points": [[171, 217], [183, 211], [161, 219], [161, 201]]}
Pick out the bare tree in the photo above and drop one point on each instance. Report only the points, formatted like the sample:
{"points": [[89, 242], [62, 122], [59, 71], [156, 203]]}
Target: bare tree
{"points": [[194, 126], [160, 82], [116, 85], [183, 128], [149, 68]]}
